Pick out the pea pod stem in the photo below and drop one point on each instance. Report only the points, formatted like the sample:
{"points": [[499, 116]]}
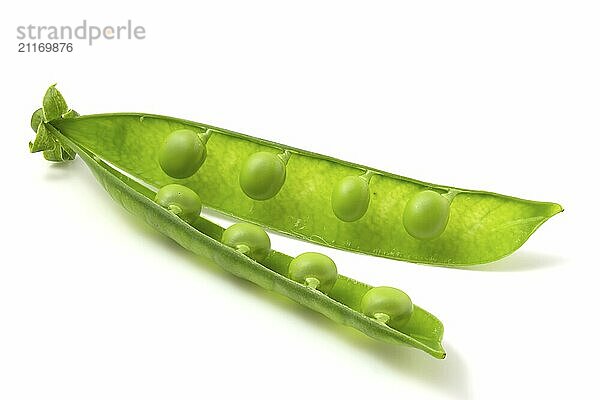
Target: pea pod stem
{"points": [[382, 318], [204, 136], [285, 156], [243, 249], [312, 283], [175, 209], [368, 175], [450, 194]]}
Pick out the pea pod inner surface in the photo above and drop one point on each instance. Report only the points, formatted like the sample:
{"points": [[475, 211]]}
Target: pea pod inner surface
{"points": [[482, 226]]}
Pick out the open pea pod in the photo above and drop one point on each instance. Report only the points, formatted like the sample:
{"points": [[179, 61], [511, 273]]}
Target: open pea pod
{"points": [[311, 196], [342, 303]]}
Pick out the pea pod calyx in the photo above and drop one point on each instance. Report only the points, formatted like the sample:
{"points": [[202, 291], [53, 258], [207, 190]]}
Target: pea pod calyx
{"points": [[46, 138]]}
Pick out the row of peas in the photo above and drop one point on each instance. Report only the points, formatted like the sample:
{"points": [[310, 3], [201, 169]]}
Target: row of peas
{"points": [[263, 174]]}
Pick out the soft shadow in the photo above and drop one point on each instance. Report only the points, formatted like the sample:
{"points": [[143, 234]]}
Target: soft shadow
{"points": [[448, 376], [520, 261], [56, 170]]}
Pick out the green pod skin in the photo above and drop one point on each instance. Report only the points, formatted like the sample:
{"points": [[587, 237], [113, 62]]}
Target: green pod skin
{"points": [[180, 200], [387, 305], [262, 175], [350, 198], [426, 215], [315, 270], [248, 239], [483, 226], [182, 154]]}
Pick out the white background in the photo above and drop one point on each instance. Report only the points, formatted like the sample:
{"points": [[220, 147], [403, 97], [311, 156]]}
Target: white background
{"points": [[502, 96]]}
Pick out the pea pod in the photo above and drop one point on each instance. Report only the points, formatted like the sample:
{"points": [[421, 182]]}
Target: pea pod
{"points": [[319, 198], [165, 213]]}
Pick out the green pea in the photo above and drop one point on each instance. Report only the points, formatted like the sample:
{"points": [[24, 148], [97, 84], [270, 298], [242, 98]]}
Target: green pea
{"points": [[388, 305], [180, 200], [350, 198], [249, 239], [182, 154], [426, 215], [315, 270], [262, 175]]}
